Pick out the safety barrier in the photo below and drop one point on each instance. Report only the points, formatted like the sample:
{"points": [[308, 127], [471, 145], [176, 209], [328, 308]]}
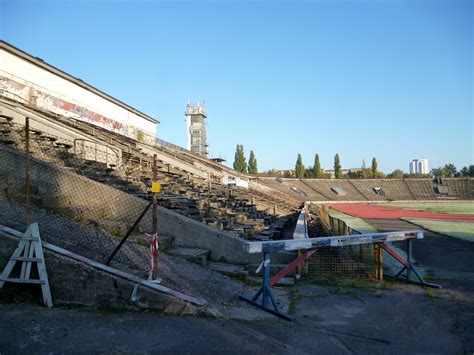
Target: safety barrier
{"points": [[310, 245]]}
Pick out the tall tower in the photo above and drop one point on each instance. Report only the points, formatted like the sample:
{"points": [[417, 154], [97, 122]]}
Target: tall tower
{"points": [[196, 128]]}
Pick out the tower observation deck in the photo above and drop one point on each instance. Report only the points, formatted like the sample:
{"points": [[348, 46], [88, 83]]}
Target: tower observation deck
{"points": [[196, 128]]}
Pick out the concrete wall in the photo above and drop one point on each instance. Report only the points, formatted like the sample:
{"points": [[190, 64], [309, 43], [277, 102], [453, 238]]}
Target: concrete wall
{"points": [[24, 81], [83, 200]]}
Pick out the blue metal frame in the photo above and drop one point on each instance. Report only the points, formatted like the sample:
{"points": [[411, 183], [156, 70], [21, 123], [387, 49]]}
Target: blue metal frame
{"points": [[409, 269], [266, 293]]}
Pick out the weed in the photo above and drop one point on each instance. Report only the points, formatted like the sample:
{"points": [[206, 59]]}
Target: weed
{"points": [[430, 294], [294, 297], [367, 284], [116, 233], [251, 282]]}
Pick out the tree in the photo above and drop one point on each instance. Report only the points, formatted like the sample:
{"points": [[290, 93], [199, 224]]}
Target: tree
{"points": [[299, 167], [355, 174], [337, 167], [449, 170], [317, 167], [309, 172], [252, 164], [467, 171], [374, 167], [240, 164], [396, 174]]}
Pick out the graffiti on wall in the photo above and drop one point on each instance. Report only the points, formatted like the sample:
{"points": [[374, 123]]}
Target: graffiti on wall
{"points": [[13, 89], [79, 112]]}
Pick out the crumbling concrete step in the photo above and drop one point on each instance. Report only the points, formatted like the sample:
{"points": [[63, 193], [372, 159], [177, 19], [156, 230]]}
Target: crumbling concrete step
{"points": [[230, 269], [196, 255]]}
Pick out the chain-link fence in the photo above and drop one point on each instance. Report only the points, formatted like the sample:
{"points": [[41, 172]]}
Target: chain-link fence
{"points": [[351, 262], [73, 212], [87, 194]]}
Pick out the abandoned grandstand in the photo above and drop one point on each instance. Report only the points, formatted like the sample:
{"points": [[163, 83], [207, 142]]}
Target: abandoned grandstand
{"points": [[90, 177]]}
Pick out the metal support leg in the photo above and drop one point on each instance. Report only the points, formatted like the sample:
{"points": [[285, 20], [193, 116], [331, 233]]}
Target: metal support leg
{"points": [[409, 257], [407, 266], [266, 292]]}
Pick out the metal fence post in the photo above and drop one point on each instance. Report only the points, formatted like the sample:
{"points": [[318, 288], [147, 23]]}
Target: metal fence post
{"points": [[154, 216], [27, 171], [409, 258]]}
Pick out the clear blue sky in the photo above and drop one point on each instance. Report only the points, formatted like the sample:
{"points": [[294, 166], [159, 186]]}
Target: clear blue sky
{"points": [[390, 79]]}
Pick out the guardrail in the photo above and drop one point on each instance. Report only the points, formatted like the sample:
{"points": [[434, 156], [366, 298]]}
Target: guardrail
{"points": [[310, 245], [99, 152]]}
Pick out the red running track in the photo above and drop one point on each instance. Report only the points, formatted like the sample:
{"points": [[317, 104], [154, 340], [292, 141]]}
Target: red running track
{"points": [[388, 212]]}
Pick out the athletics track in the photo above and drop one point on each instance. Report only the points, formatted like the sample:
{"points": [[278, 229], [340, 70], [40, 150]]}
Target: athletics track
{"points": [[388, 212]]}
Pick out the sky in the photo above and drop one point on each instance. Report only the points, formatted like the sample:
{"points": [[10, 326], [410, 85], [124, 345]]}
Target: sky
{"points": [[385, 79]]}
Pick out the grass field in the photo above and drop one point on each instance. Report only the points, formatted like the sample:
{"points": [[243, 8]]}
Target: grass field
{"points": [[439, 207], [457, 229], [355, 223]]}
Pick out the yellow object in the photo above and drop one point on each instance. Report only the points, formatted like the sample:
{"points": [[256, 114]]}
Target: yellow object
{"points": [[155, 186]]}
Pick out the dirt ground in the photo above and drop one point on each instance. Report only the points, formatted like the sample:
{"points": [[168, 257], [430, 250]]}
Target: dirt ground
{"points": [[332, 316], [448, 261], [335, 318]]}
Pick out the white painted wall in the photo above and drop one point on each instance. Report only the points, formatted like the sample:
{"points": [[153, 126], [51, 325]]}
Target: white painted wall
{"points": [[38, 81], [235, 180]]}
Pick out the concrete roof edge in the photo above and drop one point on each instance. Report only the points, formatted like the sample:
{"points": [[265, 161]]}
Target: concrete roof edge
{"points": [[41, 63]]}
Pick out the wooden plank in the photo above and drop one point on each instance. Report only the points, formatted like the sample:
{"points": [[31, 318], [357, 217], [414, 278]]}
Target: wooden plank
{"points": [[22, 281], [31, 254], [393, 253], [338, 241], [29, 251], [22, 258], [38, 247], [11, 263], [112, 271], [291, 266], [26, 253]]}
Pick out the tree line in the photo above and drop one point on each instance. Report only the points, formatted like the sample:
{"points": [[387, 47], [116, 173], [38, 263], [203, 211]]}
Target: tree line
{"points": [[449, 170], [316, 172]]}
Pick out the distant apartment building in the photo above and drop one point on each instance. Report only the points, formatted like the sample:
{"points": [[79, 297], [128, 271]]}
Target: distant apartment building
{"points": [[419, 166], [196, 128]]}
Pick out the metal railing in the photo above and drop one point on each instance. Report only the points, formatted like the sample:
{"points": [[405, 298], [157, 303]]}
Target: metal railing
{"points": [[98, 152]]}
